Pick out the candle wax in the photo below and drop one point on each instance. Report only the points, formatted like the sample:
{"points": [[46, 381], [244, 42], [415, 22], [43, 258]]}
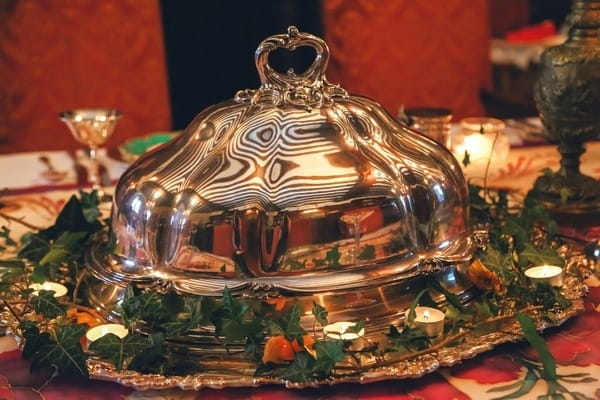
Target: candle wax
{"points": [[430, 320], [59, 290], [338, 331], [550, 274], [97, 332]]}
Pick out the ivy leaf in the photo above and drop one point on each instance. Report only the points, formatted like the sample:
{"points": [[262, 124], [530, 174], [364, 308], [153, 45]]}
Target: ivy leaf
{"points": [[500, 263], [254, 345], [5, 234], [71, 219], [149, 306], [90, 205], [275, 328], [34, 339], [152, 359], [46, 304], [549, 297], [118, 350], [357, 327], [65, 352], [38, 275], [411, 311], [236, 329], [291, 323], [466, 159], [456, 317], [12, 264], [367, 253], [173, 302], [65, 246], [34, 248], [195, 312], [537, 342], [329, 352], [407, 339], [287, 325], [300, 370], [533, 255], [320, 313], [332, 257], [234, 319]]}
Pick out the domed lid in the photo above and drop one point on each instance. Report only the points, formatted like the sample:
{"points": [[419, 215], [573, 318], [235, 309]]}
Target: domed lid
{"points": [[295, 185]]}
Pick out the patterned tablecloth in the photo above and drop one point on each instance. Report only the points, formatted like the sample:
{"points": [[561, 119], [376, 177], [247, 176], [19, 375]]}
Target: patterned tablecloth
{"points": [[493, 375]]}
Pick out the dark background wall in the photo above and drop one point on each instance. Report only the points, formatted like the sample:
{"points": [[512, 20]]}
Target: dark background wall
{"points": [[210, 47]]}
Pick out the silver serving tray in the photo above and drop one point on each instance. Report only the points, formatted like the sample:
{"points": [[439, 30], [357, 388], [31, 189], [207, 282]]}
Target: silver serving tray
{"points": [[226, 373], [236, 372]]}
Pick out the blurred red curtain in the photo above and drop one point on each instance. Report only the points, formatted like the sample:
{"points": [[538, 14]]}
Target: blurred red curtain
{"points": [[57, 55], [411, 52]]}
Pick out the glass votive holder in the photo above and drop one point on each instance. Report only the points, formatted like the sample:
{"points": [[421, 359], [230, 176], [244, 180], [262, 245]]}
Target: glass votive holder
{"points": [[432, 122], [482, 142]]}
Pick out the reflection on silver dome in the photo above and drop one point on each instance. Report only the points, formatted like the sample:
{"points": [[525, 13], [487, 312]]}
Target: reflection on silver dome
{"points": [[295, 186]]}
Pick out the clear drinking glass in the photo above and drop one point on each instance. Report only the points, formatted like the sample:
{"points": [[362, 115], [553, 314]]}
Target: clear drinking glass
{"points": [[92, 127]]}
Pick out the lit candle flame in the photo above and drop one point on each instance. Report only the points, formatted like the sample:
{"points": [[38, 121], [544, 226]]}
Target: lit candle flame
{"points": [[426, 314]]}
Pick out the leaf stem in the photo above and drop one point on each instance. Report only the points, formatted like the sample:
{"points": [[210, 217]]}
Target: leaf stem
{"points": [[20, 221], [442, 343], [487, 166], [12, 311]]}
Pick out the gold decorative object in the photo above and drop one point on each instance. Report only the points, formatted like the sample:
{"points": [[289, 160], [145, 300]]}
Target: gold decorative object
{"points": [[567, 94], [92, 127]]}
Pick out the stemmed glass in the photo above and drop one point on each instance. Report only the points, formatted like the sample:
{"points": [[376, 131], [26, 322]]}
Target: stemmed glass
{"points": [[353, 222], [92, 127]]}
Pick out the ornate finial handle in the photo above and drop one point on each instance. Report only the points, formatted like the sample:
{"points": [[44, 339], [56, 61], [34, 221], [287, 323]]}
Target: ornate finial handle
{"points": [[290, 41], [307, 89]]}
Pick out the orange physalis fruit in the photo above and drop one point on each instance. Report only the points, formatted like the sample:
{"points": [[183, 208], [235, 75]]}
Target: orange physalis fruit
{"points": [[307, 343], [82, 317], [278, 302], [483, 278], [278, 350]]}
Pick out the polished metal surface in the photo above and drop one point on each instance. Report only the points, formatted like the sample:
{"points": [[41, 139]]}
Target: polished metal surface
{"points": [[222, 368], [295, 189], [231, 370]]}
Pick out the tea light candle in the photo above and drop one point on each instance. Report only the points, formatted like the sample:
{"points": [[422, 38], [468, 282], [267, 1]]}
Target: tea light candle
{"points": [[490, 146], [59, 290], [550, 274], [430, 320], [98, 331], [339, 330]]}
